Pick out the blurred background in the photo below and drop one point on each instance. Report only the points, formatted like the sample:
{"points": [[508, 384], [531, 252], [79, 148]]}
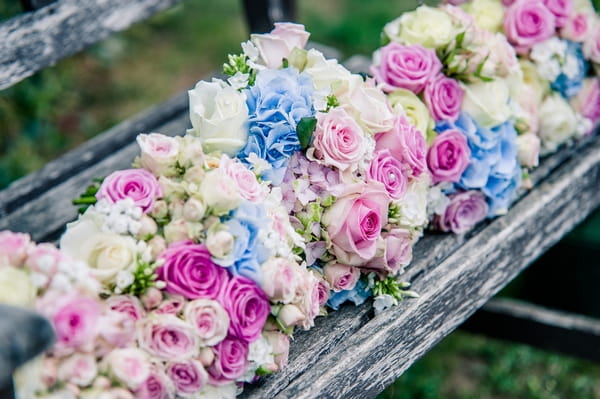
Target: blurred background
{"points": [[59, 108]]}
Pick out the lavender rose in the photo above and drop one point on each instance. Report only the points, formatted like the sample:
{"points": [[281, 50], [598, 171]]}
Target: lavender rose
{"points": [[247, 306], [406, 144], [209, 319], [231, 361], [405, 67], [189, 271], [397, 253], [448, 156], [443, 97], [528, 22], [167, 337], [465, 210], [138, 184], [188, 376], [388, 170]]}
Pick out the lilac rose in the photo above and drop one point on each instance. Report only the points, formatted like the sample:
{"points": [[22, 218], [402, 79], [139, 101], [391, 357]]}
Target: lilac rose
{"points": [[189, 271], [444, 98], [247, 306], [231, 361], [388, 170], [405, 67], [397, 253], [448, 156], [527, 22], [138, 184], [465, 210]]}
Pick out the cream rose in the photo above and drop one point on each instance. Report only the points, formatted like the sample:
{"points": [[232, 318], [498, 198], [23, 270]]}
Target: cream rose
{"points": [[558, 123], [219, 192], [368, 105], [488, 14], [326, 74], [487, 102], [15, 287], [413, 207], [218, 113], [404, 102], [430, 27]]}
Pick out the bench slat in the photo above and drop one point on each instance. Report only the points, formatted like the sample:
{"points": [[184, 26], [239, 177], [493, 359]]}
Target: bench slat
{"points": [[35, 40], [552, 329]]}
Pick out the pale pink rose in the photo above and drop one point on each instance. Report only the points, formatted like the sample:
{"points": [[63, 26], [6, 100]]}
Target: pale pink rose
{"points": [[354, 222], [405, 143], [75, 320], [126, 304], [587, 101], [281, 348], [130, 366], [388, 170], [591, 45], [244, 179], [405, 67], [443, 97], [341, 277], [527, 22], [324, 290], [309, 303], [79, 369], [14, 247], [576, 28], [193, 210], [206, 356], [138, 184], [152, 298], [44, 258], [291, 315], [337, 141], [231, 361], [167, 337], [156, 386], [50, 371], [158, 153], [465, 210], [448, 156], [528, 145], [279, 43], [118, 330], [368, 105], [561, 9], [172, 305], [188, 376], [209, 319], [279, 279], [527, 117], [397, 253]]}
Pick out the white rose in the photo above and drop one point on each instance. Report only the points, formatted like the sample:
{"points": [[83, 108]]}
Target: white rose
{"points": [[413, 207], [405, 102], [531, 77], [176, 230], [558, 122], [218, 113], [106, 253], [278, 44], [79, 369], [326, 74], [158, 153], [219, 243], [487, 102], [15, 287], [190, 151], [488, 14], [529, 149], [427, 26], [131, 366], [228, 391], [193, 210], [219, 192]]}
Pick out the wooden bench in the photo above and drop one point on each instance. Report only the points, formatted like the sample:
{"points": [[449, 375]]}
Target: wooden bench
{"points": [[351, 353]]}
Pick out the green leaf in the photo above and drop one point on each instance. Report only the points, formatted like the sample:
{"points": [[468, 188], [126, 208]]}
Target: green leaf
{"points": [[285, 63], [305, 129], [460, 39]]}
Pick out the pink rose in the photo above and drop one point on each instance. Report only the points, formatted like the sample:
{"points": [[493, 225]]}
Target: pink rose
{"points": [[279, 43], [152, 297], [138, 184], [172, 305], [508, 3], [405, 67], [131, 366], [188, 376], [189, 271], [323, 291], [279, 279], [209, 319], [354, 222], [527, 22], [118, 330], [13, 248], [443, 97], [576, 28], [126, 304], [75, 321], [79, 369], [337, 141], [167, 337], [388, 170], [561, 9], [405, 143], [158, 153], [591, 45], [44, 258], [448, 156], [587, 101], [231, 361], [156, 386], [341, 277], [397, 253], [281, 348], [244, 179], [465, 210], [247, 306]]}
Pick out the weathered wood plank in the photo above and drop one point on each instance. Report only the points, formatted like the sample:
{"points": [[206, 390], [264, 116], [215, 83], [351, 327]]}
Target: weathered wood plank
{"points": [[370, 359], [569, 333], [32, 41]]}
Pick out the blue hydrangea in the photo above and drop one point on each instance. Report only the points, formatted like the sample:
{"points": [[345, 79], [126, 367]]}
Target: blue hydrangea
{"points": [[276, 103], [357, 295], [570, 80], [493, 168], [249, 252]]}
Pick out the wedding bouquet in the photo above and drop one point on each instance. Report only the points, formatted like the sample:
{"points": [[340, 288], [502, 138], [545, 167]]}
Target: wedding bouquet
{"points": [[351, 170]]}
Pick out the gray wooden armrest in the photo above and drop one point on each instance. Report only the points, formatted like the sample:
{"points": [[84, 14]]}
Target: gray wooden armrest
{"points": [[23, 335]]}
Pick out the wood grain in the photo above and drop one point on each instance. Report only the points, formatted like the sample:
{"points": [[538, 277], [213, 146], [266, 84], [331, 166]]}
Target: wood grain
{"points": [[35, 40]]}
